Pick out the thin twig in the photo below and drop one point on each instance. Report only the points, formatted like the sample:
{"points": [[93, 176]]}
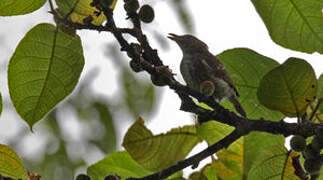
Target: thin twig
{"points": [[316, 108]]}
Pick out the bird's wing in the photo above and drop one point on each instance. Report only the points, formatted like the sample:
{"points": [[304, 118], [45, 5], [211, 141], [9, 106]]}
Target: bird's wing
{"points": [[214, 66]]}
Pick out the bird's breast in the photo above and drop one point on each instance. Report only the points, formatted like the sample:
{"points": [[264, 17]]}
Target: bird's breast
{"points": [[194, 73], [187, 68], [222, 89]]}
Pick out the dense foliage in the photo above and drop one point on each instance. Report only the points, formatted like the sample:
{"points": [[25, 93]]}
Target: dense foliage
{"points": [[46, 66]]}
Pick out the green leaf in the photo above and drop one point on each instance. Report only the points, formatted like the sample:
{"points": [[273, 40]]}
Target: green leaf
{"points": [[213, 131], [119, 163], [197, 176], [289, 88], [320, 87], [318, 116], [108, 142], [321, 176], [255, 143], [82, 11], [273, 163], [236, 161], [19, 7], [10, 164], [155, 152], [320, 91], [246, 68], [293, 24], [139, 95], [176, 176], [43, 70], [210, 171]]}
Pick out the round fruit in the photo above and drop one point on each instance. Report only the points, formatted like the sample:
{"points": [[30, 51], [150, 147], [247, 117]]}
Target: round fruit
{"points": [[319, 132], [298, 143], [312, 166], [112, 177], [136, 47], [83, 177], [146, 14], [207, 88], [106, 3], [131, 6], [309, 152], [317, 143], [135, 66]]}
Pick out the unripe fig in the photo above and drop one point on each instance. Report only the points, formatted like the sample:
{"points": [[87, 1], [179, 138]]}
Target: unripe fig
{"points": [[106, 3], [135, 66], [83, 177], [312, 166], [112, 177], [131, 6], [136, 47], [158, 80], [207, 88], [298, 143], [319, 132], [310, 153], [317, 143], [146, 14]]}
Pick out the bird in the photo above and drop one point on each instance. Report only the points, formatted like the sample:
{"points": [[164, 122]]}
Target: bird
{"points": [[199, 67]]}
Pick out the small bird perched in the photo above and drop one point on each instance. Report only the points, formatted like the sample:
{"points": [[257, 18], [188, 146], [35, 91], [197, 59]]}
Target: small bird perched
{"points": [[201, 69]]}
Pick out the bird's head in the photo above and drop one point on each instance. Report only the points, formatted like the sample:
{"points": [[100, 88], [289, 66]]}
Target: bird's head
{"points": [[188, 43]]}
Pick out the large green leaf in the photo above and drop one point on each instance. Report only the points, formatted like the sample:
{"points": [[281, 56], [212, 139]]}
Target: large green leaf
{"points": [[43, 70], [155, 152], [213, 131], [10, 164], [246, 69], [82, 11], [19, 7], [119, 163], [318, 117], [108, 142], [139, 95], [210, 171], [289, 88], [320, 91], [236, 161], [273, 163], [197, 176], [293, 24], [320, 87], [256, 143]]}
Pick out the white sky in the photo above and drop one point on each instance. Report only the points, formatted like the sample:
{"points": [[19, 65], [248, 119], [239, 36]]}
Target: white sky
{"points": [[220, 24]]}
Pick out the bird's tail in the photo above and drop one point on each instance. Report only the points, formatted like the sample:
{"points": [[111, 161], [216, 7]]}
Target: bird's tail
{"points": [[237, 106]]}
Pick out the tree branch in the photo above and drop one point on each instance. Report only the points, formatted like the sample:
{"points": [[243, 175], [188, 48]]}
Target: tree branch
{"points": [[151, 63], [195, 159]]}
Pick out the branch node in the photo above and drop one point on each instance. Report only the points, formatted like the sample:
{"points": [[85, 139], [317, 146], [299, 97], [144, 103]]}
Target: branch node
{"points": [[195, 165]]}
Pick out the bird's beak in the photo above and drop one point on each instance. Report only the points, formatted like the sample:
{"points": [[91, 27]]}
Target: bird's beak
{"points": [[173, 37]]}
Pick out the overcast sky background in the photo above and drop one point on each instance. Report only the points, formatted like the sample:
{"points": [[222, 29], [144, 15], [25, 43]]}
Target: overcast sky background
{"points": [[222, 25]]}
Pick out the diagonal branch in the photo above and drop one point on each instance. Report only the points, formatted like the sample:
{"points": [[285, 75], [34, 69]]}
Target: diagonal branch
{"points": [[195, 159], [151, 63]]}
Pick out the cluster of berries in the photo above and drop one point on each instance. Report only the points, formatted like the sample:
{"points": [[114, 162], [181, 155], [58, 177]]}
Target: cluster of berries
{"points": [[146, 12], [311, 152]]}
